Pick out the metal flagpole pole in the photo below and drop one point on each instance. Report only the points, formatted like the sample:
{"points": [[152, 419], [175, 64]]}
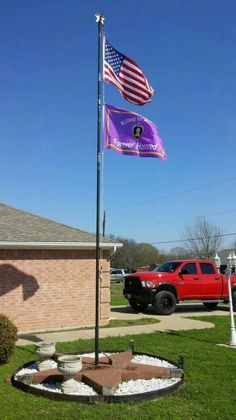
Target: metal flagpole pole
{"points": [[100, 21], [104, 224], [231, 260]]}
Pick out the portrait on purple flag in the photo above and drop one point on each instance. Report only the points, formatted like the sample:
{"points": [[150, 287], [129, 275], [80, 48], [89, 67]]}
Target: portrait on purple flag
{"points": [[129, 133]]}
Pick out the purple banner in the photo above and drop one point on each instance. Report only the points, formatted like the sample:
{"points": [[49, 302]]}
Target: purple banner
{"points": [[129, 133]]}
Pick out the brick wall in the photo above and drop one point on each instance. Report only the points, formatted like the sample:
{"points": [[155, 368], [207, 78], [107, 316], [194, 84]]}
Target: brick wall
{"points": [[52, 289]]}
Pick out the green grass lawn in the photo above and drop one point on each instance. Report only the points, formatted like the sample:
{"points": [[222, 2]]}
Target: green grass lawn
{"points": [[117, 297], [209, 391]]}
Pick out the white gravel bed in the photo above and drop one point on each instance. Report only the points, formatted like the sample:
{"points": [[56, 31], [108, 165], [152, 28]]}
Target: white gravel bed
{"points": [[144, 385], [26, 371], [131, 387], [83, 389], [48, 387], [31, 369], [153, 361]]}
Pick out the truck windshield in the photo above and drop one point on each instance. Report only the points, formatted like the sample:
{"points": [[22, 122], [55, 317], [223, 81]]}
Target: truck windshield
{"points": [[168, 267]]}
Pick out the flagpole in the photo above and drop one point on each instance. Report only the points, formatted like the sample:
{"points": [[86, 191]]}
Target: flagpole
{"points": [[100, 21]]}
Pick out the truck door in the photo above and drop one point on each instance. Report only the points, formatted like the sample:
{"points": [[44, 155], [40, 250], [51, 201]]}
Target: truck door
{"points": [[189, 281], [210, 280]]}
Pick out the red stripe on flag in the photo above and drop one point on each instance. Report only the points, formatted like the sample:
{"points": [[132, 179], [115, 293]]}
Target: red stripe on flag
{"points": [[139, 95], [136, 96], [143, 88], [130, 97]]}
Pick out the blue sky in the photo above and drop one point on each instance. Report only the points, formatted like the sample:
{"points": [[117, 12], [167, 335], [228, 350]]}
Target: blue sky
{"points": [[48, 85]]}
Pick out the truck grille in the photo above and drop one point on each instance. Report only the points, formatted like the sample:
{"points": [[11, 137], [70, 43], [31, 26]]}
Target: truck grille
{"points": [[133, 283]]}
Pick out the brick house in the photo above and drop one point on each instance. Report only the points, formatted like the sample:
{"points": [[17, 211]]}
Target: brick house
{"points": [[47, 273]]}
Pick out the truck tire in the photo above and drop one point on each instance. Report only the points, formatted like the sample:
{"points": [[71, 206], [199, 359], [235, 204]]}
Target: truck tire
{"points": [[210, 306], [138, 307], [164, 303], [234, 300]]}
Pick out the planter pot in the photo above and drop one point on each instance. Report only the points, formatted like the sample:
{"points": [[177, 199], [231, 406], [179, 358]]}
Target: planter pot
{"points": [[69, 365], [45, 350]]}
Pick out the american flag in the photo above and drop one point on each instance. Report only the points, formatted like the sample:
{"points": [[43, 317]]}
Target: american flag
{"points": [[127, 76]]}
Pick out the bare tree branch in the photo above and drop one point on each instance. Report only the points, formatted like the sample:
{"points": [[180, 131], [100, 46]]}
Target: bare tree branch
{"points": [[202, 239]]}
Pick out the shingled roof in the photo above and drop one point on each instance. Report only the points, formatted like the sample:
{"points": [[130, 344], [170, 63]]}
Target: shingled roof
{"points": [[24, 229]]}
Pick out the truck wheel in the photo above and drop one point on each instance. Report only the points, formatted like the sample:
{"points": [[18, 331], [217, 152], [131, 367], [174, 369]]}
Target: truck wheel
{"points": [[164, 303], [234, 300], [210, 306], [138, 307]]}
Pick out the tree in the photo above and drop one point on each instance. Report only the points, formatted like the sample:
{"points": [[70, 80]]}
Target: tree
{"points": [[124, 256], [234, 245], [179, 253], [202, 238], [133, 255], [146, 255]]}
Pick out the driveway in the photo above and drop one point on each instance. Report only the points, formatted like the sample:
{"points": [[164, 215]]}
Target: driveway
{"points": [[177, 321]]}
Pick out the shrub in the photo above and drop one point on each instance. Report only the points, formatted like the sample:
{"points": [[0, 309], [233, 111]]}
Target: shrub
{"points": [[8, 336]]}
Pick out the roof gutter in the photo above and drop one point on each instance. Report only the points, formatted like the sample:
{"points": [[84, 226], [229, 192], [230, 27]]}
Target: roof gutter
{"points": [[60, 245]]}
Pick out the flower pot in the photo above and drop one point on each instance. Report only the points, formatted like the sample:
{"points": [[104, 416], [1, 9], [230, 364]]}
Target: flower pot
{"points": [[69, 365], [45, 350]]}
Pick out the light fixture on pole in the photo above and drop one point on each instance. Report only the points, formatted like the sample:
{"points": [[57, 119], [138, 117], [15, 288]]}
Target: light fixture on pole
{"points": [[231, 263], [217, 261]]}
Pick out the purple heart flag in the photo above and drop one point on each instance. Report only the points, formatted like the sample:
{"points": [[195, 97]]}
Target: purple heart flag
{"points": [[129, 133]]}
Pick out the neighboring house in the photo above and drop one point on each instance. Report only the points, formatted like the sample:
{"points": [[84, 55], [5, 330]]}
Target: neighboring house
{"points": [[223, 254], [48, 274]]}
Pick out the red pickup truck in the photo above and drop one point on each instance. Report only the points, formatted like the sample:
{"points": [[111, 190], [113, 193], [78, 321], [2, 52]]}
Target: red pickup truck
{"points": [[176, 281]]}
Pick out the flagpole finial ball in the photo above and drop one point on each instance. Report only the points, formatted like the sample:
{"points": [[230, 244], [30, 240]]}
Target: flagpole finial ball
{"points": [[100, 18]]}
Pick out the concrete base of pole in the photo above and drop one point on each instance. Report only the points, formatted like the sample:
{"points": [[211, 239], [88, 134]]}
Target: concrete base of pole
{"points": [[227, 345], [233, 338]]}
